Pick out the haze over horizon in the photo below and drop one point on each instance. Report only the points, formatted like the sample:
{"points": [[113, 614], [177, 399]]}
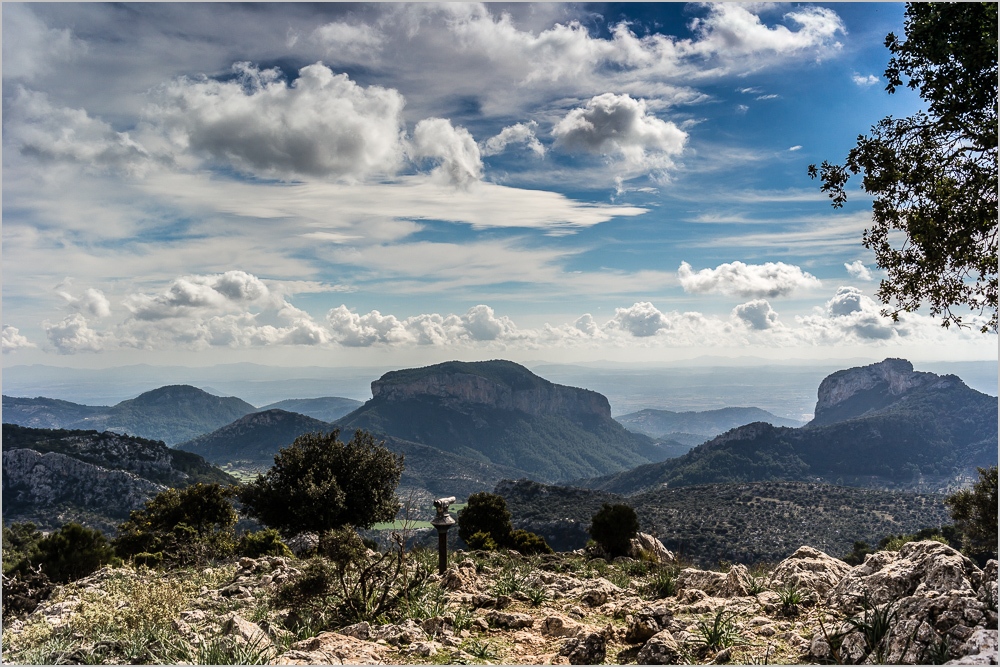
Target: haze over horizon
{"points": [[396, 185]]}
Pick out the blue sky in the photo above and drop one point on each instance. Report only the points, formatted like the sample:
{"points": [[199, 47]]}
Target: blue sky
{"points": [[346, 184]]}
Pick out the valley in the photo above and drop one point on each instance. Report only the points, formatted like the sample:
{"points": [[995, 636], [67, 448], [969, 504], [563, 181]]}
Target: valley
{"points": [[469, 427]]}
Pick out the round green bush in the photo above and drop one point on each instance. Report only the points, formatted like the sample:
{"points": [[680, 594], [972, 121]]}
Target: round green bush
{"points": [[613, 528], [528, 544], [265, 542]]}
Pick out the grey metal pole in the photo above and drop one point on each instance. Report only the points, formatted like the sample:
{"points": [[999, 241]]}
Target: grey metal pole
{"points": [[443, 521]]}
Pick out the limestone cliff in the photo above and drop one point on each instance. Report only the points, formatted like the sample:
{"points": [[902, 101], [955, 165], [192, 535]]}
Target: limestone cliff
{"points": [[479, 384], [855, 391], [52, 488]]}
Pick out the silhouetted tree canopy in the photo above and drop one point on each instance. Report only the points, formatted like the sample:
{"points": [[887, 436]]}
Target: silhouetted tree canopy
{"points": [[933, 175]]}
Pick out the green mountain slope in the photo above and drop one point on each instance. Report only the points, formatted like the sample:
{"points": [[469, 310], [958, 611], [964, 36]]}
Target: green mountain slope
{"points": [[254, 438], [175, 413], [922, 432], [44, 412], [328, 409], [501, 413]]}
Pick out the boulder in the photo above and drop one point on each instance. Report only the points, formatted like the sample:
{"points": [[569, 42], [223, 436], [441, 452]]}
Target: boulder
{"points": [[645, 545], [736, 582], [407, 632], [599, 591], [331, 648], [462, 577], [809, 569], [559, 626], [236, 626], [511, 621], [979, 649], [661, 649], [917, 568], [712, 583], [589, 649]]}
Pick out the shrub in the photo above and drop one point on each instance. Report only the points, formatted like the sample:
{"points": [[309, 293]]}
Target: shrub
{"points": [[721, 633], [481, 541], [528, 544], [70, 553], [187, 526], [974, 512], [486, 513], [613, 528], [319, 483], [22, 592], [19, 541], [265, 542]]}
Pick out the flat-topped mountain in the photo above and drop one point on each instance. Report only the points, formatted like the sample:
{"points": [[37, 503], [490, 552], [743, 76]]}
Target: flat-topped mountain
{"points": [[172, 414], [502, 413], [502, 385], [856, 391], [896, 429]]}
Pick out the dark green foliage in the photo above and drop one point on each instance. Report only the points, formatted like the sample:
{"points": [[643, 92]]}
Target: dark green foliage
{"points": [[20, 540], [146, 559], [318, 483], [23, 591], [254, 438], [485, 513], [720, 633], [662, 583], [481, 541], [347, 585], [858, 553], [613, 527], [709, 523], [975, 514], [933, 175], [71, 553], [188, 526], [265, 542], [528, 544]]}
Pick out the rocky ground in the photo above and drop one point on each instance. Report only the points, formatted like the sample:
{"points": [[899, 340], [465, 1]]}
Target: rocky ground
{"points": [[935, 605]]}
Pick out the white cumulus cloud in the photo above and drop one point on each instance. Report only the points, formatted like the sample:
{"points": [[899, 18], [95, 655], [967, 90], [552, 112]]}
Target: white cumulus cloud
{"points": [[13, 340], [850, 314], [322, 124], [619, 126], [756, 314], [458, 153], [225, 292], [771, 279], [521, 133], [35, 127], [864, 81], [73, 334], [858, 270], [92, 302], [640, 319]]}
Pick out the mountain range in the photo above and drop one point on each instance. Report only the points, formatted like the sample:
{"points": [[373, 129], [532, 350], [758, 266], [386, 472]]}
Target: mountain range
{"points": [[173, 414], [877, 425], [692, 428]]}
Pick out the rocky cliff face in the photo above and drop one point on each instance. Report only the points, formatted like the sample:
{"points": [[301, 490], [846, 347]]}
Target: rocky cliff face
{"points": [[34, 483], [852, 392], [540, 398]]}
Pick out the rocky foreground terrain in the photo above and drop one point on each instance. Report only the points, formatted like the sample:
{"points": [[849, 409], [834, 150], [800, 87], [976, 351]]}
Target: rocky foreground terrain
{"points": [[935, 605]]}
